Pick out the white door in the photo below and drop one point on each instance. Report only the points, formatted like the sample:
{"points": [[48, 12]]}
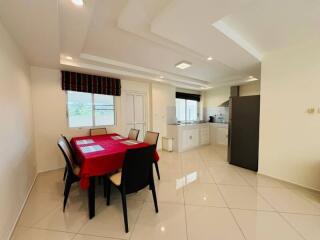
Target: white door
{"points": [[135, 113]]}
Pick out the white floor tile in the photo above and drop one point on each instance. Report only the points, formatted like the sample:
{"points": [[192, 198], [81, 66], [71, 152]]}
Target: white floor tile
{"points": [[206, 194], [39, 234], [207, 223], [258, 225], [109, 222], [74, 217], [168, 224], [89, 237], [307, 225], [258, 180], [38, 206], [285, 200], [243, 197], [224, 174], [168, 191]]}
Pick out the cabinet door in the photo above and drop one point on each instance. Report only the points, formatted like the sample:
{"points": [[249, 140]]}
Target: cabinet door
{"points": [[186, 139], [194, 138], [204, 135], [222, 136]]}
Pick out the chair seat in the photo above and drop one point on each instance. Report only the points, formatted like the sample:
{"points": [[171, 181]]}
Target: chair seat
{"points": [[76, 170], [116, 178]]}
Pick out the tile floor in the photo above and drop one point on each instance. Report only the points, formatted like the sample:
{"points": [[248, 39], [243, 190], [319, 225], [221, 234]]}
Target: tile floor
{"points": [[200, 197]]}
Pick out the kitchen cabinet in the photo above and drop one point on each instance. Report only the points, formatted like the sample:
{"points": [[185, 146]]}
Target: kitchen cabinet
{"points": [[219, 134], [189, 136], [204, 134]]}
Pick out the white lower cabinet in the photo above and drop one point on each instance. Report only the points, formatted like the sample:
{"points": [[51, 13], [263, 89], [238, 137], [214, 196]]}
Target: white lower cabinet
{"points": [[204, 134], [189, 136], [219, 133]]}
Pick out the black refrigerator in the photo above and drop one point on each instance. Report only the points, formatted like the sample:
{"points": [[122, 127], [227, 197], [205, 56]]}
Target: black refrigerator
{"points": [[243, 137]]}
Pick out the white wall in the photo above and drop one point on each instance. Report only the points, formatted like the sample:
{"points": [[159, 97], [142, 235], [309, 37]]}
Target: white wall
{"points": [[289, 136], [163, 99], [216, 96], [17, 164], [252, 88], [49, 102]]}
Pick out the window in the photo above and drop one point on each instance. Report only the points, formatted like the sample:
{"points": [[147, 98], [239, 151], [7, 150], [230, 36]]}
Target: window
{"points": [[186, 110], [90, 110]]}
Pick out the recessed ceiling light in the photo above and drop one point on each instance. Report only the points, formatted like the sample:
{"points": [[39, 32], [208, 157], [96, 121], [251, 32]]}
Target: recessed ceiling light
{"points": [[183, 65], [68, 57], [251, 79], [78, 3], [161, 77], [209, 58]]}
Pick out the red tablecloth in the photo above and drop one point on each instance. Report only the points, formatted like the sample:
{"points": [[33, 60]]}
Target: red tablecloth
{"points": [[101, 162]]}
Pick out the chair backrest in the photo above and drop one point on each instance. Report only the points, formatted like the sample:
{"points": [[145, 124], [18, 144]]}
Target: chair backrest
{"points": [[133, 134], [137, 168], [151, 138], [98, 131], [70, 148], [67, 153]]}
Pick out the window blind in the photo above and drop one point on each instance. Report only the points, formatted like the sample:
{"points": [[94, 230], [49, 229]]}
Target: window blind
{"points": [[80, 82]]}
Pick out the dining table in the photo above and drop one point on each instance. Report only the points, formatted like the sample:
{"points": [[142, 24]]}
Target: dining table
{"points": [[101, 155]]}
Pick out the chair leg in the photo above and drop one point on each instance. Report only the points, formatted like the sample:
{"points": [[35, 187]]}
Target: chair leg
{"points": [[65, 173], [157, 169], [105, 186], [124, 206], [154, 195], [108, 186], [66, 191]]}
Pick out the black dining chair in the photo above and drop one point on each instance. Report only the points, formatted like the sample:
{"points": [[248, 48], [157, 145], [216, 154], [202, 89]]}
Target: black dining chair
{"points": [[133, 134], [73, 154], [152, 139], [73, 170], [135, 175]]}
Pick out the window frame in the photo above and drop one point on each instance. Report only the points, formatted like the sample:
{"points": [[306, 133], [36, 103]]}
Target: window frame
{"points": [[185, 110], [93, 112]]}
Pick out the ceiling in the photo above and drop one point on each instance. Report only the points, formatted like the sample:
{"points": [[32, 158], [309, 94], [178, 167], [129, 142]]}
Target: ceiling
{"points": [[145, 39]]}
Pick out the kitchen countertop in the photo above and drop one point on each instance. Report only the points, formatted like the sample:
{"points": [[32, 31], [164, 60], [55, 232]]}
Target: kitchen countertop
{"points": [[220, 124], [187, 124]]}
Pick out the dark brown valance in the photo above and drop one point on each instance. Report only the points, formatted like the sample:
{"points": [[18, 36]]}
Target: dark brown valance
{"points": [[188, 96], [80, 82]]}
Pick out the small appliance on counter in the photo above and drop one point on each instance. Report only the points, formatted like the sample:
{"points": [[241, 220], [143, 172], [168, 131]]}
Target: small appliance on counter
{"points": [[211, 119]]}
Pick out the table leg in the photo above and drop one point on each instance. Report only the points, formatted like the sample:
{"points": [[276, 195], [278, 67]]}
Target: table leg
{"points": [[91, 197]]}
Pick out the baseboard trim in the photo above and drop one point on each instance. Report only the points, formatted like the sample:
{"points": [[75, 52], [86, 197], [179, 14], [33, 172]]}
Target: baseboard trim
{"points": [[22, 207], [50, 170], [286, 181]]}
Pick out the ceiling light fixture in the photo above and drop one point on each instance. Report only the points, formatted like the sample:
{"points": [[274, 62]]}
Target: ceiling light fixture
{"points": [[68, 57], [209, 58], [183, 65], [78, 3], [251, 79], [161, 77]]}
